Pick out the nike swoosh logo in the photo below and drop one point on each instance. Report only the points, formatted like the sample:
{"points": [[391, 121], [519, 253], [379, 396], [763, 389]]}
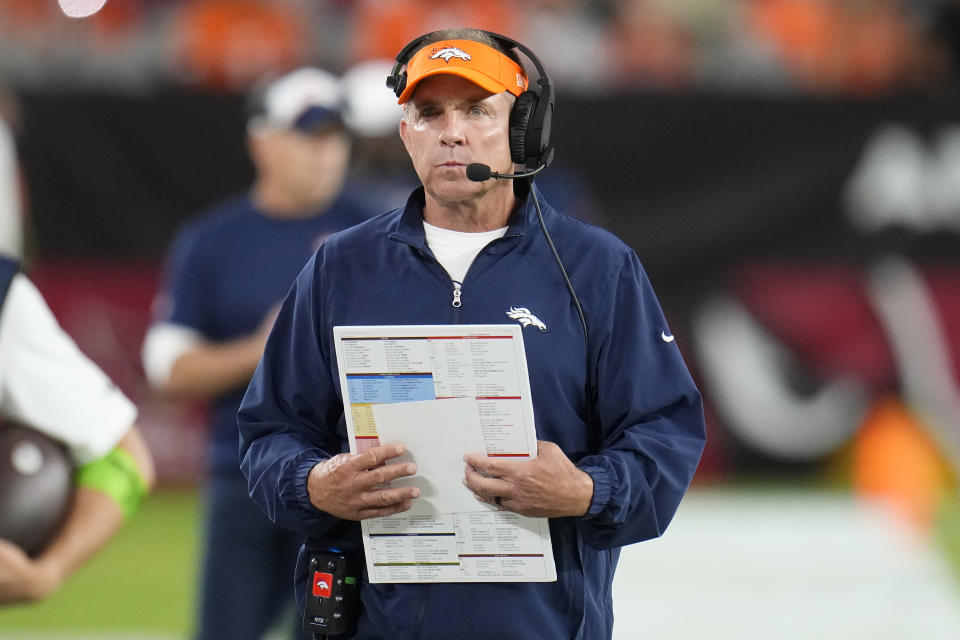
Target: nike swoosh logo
{"points": [[665, 337]]}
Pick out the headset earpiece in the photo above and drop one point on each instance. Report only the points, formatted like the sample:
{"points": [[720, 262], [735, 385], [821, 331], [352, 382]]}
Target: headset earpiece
{"points": [[539, 149], [532, 114], [523, 108], [397, 80], [400, 83]]}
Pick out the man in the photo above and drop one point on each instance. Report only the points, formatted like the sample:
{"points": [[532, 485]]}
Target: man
{"points": [[11, 215], [462, 251], [47, 383], [226, 274]]}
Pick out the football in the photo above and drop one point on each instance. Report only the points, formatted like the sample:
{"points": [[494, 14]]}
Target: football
{"points": [[36, 486]]}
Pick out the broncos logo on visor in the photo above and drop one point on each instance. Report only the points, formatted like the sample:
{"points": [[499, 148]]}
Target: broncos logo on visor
{"points": [[526, 318], [450, 52]]}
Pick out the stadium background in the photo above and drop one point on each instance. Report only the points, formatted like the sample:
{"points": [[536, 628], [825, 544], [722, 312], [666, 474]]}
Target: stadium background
{"points": [[787, 170]]}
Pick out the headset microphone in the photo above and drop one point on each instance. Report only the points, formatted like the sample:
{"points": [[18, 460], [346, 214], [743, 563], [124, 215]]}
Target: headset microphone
{"points": [[480, 173]]}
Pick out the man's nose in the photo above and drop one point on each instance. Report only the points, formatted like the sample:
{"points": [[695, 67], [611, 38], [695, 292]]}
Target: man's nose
{"points": [[452, 131]]}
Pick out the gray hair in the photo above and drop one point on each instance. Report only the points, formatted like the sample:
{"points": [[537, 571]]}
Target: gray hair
{"points": [[467, 33]]}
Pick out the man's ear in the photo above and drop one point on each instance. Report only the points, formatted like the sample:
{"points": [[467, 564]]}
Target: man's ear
{"points": [[403, 132]]}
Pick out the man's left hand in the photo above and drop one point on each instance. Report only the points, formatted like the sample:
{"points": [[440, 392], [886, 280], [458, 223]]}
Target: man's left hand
{"points": [[549, 486]]}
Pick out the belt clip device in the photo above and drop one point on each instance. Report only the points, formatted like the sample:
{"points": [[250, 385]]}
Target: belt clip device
{"points": [[333, 599]]}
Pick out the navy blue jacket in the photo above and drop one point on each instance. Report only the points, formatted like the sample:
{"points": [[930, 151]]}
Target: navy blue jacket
{"points": [[382, 272]]}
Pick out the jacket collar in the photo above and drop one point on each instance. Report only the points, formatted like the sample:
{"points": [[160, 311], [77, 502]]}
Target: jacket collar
{"points": [[409, 228]]}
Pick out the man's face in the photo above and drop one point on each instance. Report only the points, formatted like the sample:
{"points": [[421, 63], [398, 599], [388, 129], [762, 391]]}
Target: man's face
{"points": [[451, 123], [308, 168]]}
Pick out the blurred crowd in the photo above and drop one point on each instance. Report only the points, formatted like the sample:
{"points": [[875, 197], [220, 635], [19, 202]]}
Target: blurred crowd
{"points": [[832, 47]]}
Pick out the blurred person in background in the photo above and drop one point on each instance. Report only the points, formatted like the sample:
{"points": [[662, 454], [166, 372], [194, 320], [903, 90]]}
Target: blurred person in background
{"points": [[229, 44], [835, 46], [380, 173], [11, 198], [225, 276], [649, 45], [47, 383], [620, 436]]}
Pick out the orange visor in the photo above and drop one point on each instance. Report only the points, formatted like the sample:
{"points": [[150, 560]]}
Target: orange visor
{"points": [[475, 61]]}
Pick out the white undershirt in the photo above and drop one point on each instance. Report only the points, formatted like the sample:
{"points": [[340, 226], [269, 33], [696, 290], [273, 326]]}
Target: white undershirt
{"points": [[455, 250], [47, 383]]}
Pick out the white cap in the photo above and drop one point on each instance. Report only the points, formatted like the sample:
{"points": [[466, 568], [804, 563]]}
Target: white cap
{"points": [[372, 109], [302, 99]]}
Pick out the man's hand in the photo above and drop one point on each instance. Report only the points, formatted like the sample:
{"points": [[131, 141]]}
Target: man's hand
{"points": [[549, 486], [23, 579], [350, 485]]}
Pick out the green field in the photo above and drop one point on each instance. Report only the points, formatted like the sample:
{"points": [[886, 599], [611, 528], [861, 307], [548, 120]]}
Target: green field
{"points": [[948, 531], [142, 586], [142, 582]]}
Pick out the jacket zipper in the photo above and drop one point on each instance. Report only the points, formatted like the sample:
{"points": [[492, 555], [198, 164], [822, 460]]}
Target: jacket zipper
{"points": [[456, 294], [458, 286]]}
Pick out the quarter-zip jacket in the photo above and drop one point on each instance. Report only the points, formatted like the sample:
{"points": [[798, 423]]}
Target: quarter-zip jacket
{"points": [[650, 412]]}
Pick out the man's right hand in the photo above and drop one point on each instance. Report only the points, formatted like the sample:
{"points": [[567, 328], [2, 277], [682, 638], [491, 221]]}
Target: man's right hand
{"points": [[354, 486], [23, 579]]}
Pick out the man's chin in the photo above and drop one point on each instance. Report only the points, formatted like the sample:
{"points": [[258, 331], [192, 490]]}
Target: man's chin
{"points": [[449, 192]]}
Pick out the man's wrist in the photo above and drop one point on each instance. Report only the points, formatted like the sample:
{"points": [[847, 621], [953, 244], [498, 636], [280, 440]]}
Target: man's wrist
{"points": [[310, 482], [600, 478], [585, 493], [47, 576]]}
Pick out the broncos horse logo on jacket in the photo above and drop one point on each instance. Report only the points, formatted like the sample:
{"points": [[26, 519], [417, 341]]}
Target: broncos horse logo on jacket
{"points": [[526, 318]]}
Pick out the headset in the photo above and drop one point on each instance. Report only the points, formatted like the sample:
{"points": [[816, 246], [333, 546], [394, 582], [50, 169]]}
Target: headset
{"points": [[531, 117]]}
